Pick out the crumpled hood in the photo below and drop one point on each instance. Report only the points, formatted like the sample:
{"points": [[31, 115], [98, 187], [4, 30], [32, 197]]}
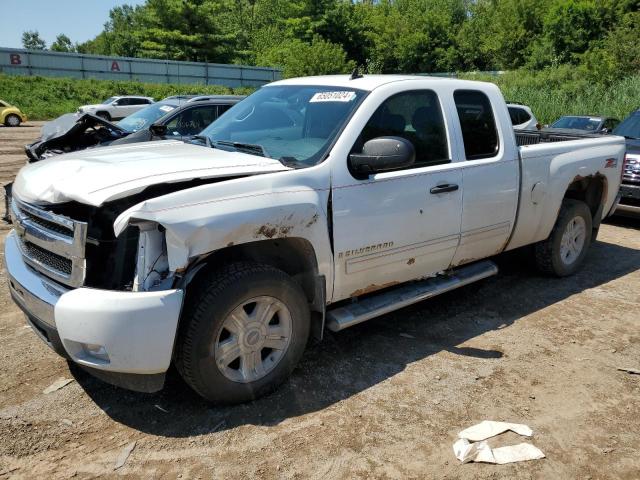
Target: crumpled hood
{"points": [[99, 175]]}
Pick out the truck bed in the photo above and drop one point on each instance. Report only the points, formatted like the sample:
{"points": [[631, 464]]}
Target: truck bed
{"points": [[534, 137], [549, 163]]}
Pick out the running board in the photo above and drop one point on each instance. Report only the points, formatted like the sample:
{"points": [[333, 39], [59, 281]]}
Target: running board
{"points": [[403, 296]]}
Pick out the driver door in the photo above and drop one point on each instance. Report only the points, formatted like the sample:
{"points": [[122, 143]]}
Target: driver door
{"points": [[397, 226]]}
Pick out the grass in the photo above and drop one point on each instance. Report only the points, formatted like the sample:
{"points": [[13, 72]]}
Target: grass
{"points": [[43, 98], [551, 94]]}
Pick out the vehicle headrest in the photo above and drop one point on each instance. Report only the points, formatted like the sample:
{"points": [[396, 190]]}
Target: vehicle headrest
{"points": [[424, 117]]}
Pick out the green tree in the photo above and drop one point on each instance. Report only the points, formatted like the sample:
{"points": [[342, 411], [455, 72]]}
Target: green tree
{"points": [[31, 40], [62, 44], [571, 25], [298, 58]]}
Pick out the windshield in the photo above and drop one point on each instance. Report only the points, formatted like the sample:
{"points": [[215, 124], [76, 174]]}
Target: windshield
{"points": [[145, 117], [289, 123], [578, 123], [630, 126], [109, 100]]}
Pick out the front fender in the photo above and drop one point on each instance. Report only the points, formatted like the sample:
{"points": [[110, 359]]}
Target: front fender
{"points": [[207, 218]]}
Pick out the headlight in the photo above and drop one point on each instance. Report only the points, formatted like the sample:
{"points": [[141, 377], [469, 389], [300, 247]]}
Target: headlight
{"points": [[152, 264]]}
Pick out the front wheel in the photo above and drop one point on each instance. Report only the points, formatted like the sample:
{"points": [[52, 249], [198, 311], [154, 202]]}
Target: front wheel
{"points": [[12, 120], [563, 253], [104, 115], [244, 330]]}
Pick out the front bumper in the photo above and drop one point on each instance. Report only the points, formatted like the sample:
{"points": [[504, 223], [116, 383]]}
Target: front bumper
{"points": [[630, 200], [120, 333]]}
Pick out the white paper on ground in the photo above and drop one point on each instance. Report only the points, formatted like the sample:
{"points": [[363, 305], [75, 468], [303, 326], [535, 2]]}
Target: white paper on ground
{"points": [[473, 452], [466, 450], [488, 428], [517, 453], [481, 452]]}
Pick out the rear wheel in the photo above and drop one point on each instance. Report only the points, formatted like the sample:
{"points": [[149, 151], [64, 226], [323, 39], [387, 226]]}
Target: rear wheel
{"points": [[244, 330], [12, 120], [563, 252]]}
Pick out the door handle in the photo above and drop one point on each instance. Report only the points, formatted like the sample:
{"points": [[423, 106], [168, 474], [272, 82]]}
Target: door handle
{"points": [[447, 187]]}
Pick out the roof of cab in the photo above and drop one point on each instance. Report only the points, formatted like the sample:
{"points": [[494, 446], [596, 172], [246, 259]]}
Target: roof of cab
{"points": [[366, 82]]}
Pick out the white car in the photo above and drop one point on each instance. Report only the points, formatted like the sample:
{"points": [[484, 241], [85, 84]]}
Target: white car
{"points": [[522, 117], [315, 203], [115, 108]]}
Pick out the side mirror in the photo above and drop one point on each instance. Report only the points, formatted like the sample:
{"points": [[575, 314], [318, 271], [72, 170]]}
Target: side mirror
{"points": [[382, 154], [158, 130]]}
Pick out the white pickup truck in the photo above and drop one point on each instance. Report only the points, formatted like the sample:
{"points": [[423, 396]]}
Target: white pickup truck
{"points": [[314, 203]]}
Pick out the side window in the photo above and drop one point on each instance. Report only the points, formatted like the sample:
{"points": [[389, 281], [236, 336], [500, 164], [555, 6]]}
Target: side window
{"points": [[524, 115], [415, 116], [123, 102], [610, 123], [191, 121], [223, 108], [514, 114], [478, 125]]}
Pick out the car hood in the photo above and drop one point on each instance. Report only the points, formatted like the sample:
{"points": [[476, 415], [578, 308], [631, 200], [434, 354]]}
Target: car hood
{"points": [[69, 129], [633, 145], [96, 176], [67, 122], [572, 131], [93, 107]]}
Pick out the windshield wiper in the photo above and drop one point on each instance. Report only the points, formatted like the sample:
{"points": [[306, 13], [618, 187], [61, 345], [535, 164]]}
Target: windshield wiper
{"points": [[629, 137], [251, 148], [204, 138]]}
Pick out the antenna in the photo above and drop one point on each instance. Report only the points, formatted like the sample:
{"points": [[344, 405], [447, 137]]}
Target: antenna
{"points": [[355, 74]]}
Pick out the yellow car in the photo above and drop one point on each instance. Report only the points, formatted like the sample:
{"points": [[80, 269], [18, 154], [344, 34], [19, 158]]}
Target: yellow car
{"points": [[11, 116]]}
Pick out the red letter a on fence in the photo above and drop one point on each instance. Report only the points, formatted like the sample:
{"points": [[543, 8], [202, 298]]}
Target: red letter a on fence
{"points": [[115, 67]]}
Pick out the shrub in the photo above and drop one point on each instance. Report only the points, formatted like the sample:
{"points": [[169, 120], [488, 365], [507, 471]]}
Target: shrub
{"points": [[43, 98]]}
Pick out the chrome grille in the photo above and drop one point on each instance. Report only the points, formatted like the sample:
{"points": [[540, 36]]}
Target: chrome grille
{"points": [[50, 243], [631, 169], [45, 258]]}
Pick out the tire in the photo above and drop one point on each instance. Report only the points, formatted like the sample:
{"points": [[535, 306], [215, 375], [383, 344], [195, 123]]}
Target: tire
{"points": [[12, 120], [215, 349], [563, 253], [104, 115]]}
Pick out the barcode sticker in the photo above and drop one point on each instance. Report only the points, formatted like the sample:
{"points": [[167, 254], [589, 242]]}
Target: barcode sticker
{"points": [[333, 97]]}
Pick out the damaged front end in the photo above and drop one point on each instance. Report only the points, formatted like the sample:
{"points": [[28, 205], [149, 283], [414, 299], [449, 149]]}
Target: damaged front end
{"points": [[72, 132]]}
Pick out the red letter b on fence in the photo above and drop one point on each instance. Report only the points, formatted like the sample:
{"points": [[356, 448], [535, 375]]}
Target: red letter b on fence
{"points": [[14, 58]]}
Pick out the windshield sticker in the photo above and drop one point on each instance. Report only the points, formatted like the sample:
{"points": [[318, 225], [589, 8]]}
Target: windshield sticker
{"points": [[333, 97], [166, 108]]}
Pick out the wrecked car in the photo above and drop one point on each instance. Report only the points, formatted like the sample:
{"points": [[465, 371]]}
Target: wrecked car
{"points": [[170, 118], [71, 132], [316, 203]]}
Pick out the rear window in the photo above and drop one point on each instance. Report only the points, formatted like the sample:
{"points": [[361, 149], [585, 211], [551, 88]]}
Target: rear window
{"points": [[518, 115], [478, 124], [138, 101]]}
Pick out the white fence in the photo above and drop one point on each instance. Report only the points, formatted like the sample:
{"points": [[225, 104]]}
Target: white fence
{"points": [[15, 61]]}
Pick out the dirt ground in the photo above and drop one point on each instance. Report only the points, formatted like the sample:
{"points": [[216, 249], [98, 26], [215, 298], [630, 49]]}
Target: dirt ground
{"points": [[384, 399]]}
